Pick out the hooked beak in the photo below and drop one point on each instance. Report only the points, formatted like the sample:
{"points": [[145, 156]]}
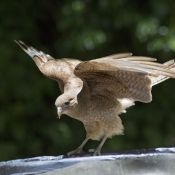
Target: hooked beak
{"points": [[59, 111]]}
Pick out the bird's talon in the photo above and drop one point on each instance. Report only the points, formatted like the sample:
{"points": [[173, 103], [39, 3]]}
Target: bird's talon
{"points": [[96, 152], [77, 151], [91, 150]]}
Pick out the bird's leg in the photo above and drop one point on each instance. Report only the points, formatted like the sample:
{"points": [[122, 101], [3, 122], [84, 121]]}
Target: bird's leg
{"points": [[79, 150], [97, 152]]}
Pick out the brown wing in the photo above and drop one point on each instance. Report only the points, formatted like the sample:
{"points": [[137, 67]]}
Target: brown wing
{"points": [[161, 78], [120, 78], [60, 70]]}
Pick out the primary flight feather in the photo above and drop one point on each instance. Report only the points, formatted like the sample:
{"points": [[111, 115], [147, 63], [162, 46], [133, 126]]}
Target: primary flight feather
{"points": [[97, 91]]}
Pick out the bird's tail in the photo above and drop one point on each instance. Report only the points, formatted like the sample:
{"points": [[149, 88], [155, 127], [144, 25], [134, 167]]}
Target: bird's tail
{"points": [[160, 78]]}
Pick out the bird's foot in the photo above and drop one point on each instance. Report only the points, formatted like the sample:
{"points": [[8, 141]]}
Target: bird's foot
{"points": [[97, 152], [76, 151], [79, 150]]}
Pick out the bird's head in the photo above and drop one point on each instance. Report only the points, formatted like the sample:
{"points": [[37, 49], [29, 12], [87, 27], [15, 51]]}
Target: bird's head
{"points": [[64, 103]]}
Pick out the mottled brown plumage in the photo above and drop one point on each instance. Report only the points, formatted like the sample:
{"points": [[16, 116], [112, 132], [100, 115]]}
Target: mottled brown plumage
{"points": [[97, 91]]}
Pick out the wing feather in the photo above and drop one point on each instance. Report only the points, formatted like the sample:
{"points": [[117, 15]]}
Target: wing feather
{"points": [[117, 56], [121, 78], [60, 70], [160, 78], [139, 58], [151, 67]]}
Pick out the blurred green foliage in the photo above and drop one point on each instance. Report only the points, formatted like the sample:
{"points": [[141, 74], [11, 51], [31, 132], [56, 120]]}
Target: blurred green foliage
{"points": [[84, 30]]}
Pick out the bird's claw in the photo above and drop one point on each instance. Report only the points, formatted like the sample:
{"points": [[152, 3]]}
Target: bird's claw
{"points": [[97, 152], [76, 151]]}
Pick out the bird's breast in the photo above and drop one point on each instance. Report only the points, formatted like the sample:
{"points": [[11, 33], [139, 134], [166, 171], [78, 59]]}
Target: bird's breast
{"points": [[95, 108]]}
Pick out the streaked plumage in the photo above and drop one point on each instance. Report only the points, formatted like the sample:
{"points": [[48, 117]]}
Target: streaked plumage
{"points": [[97, 91]]}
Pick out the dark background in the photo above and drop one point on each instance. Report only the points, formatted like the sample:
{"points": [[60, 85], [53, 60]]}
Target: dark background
{"points": [[84, 30]]}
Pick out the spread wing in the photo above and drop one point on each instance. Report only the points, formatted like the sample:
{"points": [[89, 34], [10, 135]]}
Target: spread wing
{"points": [[122, 76], [161, 78], [60, 70]]}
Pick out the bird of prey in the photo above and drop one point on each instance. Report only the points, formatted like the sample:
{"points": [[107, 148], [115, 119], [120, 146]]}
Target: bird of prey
{"points": [[95, 92]]}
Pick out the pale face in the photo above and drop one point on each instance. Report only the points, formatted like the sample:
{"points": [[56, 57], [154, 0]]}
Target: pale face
{"points": [[63, 103]]}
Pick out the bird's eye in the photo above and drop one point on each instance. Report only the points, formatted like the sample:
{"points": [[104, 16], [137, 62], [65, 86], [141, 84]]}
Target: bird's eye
{"points": [[67, 103]]}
